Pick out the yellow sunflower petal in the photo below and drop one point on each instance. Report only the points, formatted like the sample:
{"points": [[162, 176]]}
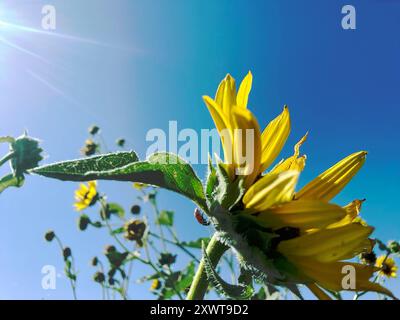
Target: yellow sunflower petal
{"points": [[328, 245], [303, 214], [79, 206], [223, 127], [352, 210], [330, 275], [247, 162], [329, 183], [226, 94], [274, 137], [244, 91], [270, 190], [294, 162]]}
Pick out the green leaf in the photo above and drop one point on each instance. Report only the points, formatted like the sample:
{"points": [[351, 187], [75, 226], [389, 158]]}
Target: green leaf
{"points": [[10, 181], [80, 169], [221, 286], [115, 208], [118, 231], [160, 169], [196, 244], [212, 180], [228, 193], [166, 218], [186, 278]]}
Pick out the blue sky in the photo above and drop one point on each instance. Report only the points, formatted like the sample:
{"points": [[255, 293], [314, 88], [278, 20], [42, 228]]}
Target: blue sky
{"points": [[139, 64]]}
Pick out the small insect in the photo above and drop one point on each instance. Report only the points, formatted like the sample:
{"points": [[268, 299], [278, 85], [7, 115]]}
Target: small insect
{"points": [[200, 218]]}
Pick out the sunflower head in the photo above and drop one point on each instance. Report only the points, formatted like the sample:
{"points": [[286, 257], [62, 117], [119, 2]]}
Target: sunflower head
{"points": [[290, 236], [387, 266], [135, 230], [86, 195]]}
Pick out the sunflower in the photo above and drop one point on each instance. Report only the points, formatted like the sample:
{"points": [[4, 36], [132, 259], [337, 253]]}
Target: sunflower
{"points": [[313, 236], [387, 266], [86, 195]]}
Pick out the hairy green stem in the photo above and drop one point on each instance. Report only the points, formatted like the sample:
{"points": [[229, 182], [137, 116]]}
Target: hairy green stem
{"points": [[6, 158], [198, 289]]}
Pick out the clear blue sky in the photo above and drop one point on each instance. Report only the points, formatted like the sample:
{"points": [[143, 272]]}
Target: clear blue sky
{"points": [[148, 62]]}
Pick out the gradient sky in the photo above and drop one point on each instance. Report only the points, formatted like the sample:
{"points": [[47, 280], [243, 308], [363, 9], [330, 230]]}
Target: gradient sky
{"points": [[131, 66]]}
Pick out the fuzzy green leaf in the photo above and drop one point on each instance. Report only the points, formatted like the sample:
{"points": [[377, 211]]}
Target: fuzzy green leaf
{"points": [[195, 244], [160, 169], [166, 218], [115, 208]]}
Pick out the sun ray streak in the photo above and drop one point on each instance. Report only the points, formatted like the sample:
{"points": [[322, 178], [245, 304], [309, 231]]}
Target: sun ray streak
{"points": [[26, 51], [76, 104], [5, 24]]}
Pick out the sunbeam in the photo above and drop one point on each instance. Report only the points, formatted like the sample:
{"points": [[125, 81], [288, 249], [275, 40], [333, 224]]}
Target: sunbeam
{"points": [[23, 50], [5, 24]]}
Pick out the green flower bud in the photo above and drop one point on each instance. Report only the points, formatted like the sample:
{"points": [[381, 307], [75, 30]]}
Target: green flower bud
{"points": [[120, 142], [49, 235], [368, 258], [166, 259], [109, 249], [394, 246], [67, 252], [94, 261], [90, 148], [27, 154], [94, 130], [99, 277], [83, 222], [135, 209]]}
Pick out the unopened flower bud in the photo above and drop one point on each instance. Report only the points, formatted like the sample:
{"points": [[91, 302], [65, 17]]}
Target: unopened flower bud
{"points": [[135, 209], [94, 130], [166, 259], [94, 261], [394, 246], [27, 154], [89, 148], [99, 277], [49, 235], [109, 249], [120, 142], [83, 222], [368, 258], [67, 252]]}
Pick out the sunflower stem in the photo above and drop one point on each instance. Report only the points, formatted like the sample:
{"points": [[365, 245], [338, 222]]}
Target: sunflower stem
{"points": [[7, 157], [215, 250]]}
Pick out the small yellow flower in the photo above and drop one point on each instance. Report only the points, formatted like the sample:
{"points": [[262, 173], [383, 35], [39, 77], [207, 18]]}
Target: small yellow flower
{"points": [[139, 186], [86, 195], [387, 265], [155, 285]]}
